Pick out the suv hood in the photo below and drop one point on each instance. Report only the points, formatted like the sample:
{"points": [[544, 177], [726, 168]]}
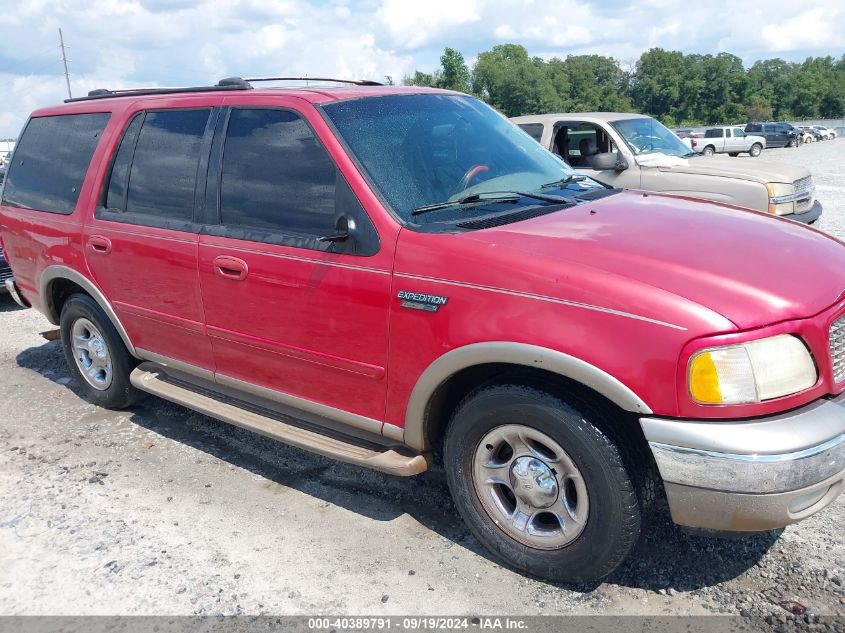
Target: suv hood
{"points": [[729, 167], [748, 267]]}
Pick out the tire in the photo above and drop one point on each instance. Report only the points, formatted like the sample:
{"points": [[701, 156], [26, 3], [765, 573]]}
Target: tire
{"points": [[755, 150], [603, 512], [88, 333], [709, 150], [793, 142]]}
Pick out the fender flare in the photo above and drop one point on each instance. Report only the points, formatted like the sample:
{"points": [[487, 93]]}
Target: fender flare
{"points": [[52, 273], [524, 354]]}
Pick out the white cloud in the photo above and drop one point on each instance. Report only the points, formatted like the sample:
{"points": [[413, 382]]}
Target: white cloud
{"points": [[794, 32], [412, 23]]}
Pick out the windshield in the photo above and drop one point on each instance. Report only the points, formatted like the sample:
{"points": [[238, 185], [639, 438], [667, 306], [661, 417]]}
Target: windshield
{"points": [[426, 149], [649, 136]]}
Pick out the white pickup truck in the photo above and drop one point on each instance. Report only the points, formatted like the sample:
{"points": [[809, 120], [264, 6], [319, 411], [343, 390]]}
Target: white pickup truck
{"points": [[731, 141]]}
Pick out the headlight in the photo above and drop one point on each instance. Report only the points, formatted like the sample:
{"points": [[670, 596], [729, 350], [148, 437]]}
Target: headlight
{"points": [[781, 198], [751, 372]]}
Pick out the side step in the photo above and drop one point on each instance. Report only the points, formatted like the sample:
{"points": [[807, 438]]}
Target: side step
{"points": [[152, 379]]}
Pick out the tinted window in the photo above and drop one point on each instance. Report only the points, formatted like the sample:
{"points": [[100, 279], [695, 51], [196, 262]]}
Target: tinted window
{"points": [[116, 193], [534, 130], [162, 179], [276, 176], [51, 160], [714, 133]]}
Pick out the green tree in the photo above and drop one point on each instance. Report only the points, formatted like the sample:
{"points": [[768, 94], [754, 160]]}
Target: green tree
{"points": [[595, 83], [513, 82], [455, 74], [420, 78]]}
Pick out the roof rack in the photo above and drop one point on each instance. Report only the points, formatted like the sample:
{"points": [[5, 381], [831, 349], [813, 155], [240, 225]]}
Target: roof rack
{"points": [[355, 82], [228, 83]]}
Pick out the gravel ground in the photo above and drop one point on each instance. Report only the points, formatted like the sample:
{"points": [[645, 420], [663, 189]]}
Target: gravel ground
{"points": [[162, 510]]}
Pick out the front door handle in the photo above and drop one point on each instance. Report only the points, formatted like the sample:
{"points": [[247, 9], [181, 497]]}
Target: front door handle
{"points": [[99, 244], [231, 267]]}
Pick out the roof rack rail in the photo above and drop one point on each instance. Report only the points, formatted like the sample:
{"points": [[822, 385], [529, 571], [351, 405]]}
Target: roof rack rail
{"points": [[104, 93], [356, 82], [228, 83]]}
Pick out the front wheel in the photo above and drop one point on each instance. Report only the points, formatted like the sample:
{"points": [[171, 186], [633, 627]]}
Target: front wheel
{"points": [[755, 150], [793, 142], [540, 485], [96, 356]]}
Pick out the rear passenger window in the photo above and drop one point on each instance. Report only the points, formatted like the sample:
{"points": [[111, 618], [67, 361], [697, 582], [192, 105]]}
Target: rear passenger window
{"points": [[277, 177], [116, 192], [51, 160], [163, 172]]}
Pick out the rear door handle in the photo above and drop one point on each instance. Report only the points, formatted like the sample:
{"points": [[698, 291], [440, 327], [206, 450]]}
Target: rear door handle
{"points": [[231, 267], [99, 244]]}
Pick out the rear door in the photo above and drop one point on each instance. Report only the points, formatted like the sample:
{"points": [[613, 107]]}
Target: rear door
{"points": [[293, 317], [141, 245]]}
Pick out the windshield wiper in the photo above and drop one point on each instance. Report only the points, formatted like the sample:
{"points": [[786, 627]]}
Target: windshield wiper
{"points": [[503, 196], [470, 199], [564, 181]]}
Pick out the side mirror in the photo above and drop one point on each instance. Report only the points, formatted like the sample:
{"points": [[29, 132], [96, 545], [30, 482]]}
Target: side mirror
{"points": [[344, 228], [608, 160]]}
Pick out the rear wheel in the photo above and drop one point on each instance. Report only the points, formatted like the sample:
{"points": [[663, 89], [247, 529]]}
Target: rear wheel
{"points": [[96, 356], [709, 150], [755, 150], [540, 485]]}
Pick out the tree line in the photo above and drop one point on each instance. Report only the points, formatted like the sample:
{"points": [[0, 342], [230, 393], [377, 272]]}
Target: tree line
{"points": [[678, 89]]}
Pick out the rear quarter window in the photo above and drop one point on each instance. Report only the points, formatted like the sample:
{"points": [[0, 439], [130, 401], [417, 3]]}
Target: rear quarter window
{"points": [[534, 130], [51, 160]]}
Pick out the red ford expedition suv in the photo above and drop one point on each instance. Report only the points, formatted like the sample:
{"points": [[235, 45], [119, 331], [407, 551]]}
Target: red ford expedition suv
{"points": [[374, 273]]}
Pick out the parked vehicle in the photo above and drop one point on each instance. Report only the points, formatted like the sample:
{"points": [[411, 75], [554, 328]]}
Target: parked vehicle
{"points": [[810, 135], [690, 139], [638, 152], [732, 141], [776, 134], [825, 133], [371, 272]]}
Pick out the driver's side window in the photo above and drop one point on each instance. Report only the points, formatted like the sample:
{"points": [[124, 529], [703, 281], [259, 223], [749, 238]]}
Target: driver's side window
{"points": [[578, 143]]}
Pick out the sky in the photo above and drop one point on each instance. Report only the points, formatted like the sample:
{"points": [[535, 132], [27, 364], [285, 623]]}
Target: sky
{"points": [[133, 43]]}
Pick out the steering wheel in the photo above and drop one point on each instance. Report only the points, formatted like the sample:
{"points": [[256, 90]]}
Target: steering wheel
{"points": [[471, 173], [647, 146]]}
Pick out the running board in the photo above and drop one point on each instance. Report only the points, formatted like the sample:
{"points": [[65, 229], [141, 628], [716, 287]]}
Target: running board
{"points": [[152, 379]]}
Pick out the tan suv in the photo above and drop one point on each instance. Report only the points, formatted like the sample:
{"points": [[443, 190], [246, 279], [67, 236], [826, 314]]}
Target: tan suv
{"points": [[637, 152]]}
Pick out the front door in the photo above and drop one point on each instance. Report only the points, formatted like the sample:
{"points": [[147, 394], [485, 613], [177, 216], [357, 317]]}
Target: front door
{"points": [[294, 312], [141, 245], [576, 142]]}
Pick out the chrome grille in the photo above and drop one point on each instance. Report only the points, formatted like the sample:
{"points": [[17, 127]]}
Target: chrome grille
{"points": [[804, 186], [837, 348]]}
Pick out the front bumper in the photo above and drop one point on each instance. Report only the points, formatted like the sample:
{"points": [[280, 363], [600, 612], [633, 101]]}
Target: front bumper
{"points": [[752, 475], [809, 216]]}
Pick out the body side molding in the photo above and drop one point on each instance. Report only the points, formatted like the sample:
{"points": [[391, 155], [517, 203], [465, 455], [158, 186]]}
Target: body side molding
{"points": [[516, 354], [51, 273]]}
